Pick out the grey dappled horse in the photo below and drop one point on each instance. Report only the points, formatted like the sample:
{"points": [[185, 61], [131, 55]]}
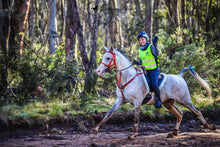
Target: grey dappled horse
{"points": [[132, 88]]}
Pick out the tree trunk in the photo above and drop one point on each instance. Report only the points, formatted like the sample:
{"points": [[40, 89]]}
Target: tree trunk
{"points": [[4, 29], [126, 36], [198, 15], [23, 9], [139, 15], [106, 25], [193, 19], [183, 4], [170, 20], [175, 13], [89, 22], [70, 32], [79, 30], [207, 17], [148, 22], [112, 23], [38, 30], [183, 20], [52, 29], [31, 22], [121, 44], [63, 20], [156, 21], [90, 79], [94, 35]]}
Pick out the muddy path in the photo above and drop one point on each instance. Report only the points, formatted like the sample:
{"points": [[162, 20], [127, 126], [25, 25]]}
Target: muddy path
{"points": [[152, 133]]}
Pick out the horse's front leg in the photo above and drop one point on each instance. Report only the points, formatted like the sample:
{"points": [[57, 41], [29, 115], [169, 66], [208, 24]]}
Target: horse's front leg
{"points": [[115, 107], [136, 122]]}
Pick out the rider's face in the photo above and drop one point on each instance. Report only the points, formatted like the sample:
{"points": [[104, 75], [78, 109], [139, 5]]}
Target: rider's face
{"points": [[142, 41]]}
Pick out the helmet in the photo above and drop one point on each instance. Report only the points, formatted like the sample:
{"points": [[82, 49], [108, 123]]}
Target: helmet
{"points": [[142, 34]]}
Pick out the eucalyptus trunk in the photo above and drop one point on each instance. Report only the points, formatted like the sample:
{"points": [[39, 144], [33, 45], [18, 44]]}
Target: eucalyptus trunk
{"points": [[70, 33], [52, 28], [148, 19], [4, 23]]}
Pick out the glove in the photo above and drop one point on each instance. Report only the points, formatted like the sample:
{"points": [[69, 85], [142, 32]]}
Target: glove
{"points": [[154, 40], [136, 62]]}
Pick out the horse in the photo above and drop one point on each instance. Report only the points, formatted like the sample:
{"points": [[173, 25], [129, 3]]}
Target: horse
{"points": [[131, 87]]}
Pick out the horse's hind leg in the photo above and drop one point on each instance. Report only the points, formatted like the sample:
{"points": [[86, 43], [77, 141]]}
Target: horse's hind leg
{"points": [[192, 108], [169, 104]]}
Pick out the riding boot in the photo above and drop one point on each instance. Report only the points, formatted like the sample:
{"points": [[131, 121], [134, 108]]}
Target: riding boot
{"points": [[158, 103]]}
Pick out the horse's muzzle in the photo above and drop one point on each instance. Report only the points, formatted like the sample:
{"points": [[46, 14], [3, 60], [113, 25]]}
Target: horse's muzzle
{"points": [[101, 73]]}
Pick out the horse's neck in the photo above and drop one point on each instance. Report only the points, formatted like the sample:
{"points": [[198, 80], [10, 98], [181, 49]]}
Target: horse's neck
{"points": [[122, 63]]}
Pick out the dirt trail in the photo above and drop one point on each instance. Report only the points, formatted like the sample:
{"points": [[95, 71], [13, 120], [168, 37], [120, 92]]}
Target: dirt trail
{"points": [[151, 133]]}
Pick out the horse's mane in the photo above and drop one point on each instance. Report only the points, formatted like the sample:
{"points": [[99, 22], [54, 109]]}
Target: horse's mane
{"points": [[123, 53]]}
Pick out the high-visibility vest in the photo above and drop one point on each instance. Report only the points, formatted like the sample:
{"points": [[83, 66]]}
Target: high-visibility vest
{"points": [[148, 60]]}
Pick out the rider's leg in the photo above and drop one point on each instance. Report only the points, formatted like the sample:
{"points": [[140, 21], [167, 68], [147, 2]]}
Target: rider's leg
{"points": [[153, 75]]}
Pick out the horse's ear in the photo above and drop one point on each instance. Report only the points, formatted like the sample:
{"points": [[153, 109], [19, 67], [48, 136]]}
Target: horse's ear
{"points": [[111, 49], [106, 49]]}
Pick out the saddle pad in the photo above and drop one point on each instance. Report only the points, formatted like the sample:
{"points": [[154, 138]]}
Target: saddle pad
{"points": [[161, 81]]}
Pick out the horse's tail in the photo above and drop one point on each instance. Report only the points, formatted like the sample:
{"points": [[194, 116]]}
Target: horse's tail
{"points": [[202, 82]]}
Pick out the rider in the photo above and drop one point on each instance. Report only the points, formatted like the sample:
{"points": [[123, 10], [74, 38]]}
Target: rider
{"points": [[149, 60]]}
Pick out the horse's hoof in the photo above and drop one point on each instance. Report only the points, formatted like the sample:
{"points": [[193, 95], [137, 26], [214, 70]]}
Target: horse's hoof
{"points": [[212, 127], [208, 126], [173, 133], [170, 135], [132, 136], [94, 131]]}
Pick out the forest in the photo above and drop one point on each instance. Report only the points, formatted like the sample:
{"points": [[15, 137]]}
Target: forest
{"points": [[50, 50]]}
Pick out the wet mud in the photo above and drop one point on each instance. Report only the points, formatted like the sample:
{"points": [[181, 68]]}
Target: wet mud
{"points": [[152, 132]]}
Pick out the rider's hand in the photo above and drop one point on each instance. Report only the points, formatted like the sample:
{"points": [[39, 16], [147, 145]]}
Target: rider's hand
{"points": [[154, 40], [135, 62]]}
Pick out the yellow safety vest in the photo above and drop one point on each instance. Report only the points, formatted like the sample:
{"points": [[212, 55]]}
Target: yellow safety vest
{"points": [[148, 60]]}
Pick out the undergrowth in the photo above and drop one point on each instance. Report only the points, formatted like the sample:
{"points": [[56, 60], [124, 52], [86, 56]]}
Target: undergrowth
{"points": [[57, 108]]}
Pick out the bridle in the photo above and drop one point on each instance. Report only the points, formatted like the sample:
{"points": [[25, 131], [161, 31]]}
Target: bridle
{"points": [[113, 64]]}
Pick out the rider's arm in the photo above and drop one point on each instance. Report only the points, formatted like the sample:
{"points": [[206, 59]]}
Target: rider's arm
{"points": [[154, 51]]}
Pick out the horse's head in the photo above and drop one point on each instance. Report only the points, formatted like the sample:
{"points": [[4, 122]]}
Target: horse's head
{"points": [[108, 61]]}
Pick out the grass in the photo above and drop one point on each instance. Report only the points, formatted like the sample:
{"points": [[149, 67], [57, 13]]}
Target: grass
{"points": [[58, 108]]}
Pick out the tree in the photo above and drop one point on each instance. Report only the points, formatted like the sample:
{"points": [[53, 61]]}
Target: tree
{"points": [[24, 10], [112, 23], [31, 22], [4, 25], [183, 22], [138, 11], [156, 19], [94, 35], [52, 28], [63, 19], [148, 18], [207, 16], [175, 15], [70, 32]]}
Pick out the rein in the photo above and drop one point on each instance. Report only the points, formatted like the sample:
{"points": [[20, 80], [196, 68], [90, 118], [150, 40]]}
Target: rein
{"points": [[110, 66]]}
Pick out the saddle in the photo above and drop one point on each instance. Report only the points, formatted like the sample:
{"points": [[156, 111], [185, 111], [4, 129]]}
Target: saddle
{"points": [[161, 80], [161, 77]]}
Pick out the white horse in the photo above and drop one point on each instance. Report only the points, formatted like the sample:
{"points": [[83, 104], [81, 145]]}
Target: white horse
{"points": [[131, 88]]}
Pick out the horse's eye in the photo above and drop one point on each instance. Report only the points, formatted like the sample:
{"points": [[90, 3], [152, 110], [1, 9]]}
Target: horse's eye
{"points": [[108, 58]]}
